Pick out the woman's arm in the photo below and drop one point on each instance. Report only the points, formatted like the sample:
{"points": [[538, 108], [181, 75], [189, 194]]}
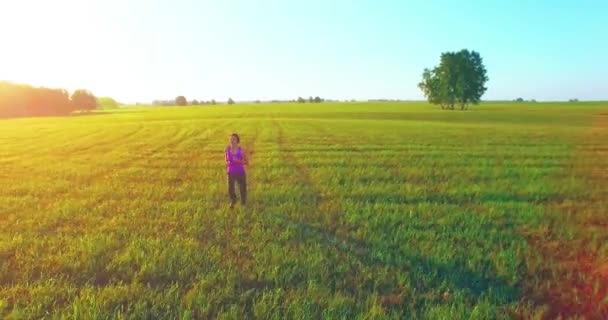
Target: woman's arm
{"points": [[228, 157]]}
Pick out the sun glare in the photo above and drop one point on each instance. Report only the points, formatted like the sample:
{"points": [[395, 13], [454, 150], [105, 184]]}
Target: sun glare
{"points": [[44, 42]]}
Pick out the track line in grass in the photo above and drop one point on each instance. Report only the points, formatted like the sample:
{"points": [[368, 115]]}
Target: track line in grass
{"points": [[238, 224], [327, 212], [576, 258], [336, 234]]}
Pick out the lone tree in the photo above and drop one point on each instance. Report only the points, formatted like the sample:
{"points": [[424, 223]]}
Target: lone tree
{"points": [[84, 100], [230, 101], [301, 100], [459, 80], [181, 101], [194, 102]]}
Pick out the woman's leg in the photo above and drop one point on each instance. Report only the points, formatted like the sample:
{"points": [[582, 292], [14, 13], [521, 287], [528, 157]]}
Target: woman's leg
{"points": [[243, 188], [231, 191]]}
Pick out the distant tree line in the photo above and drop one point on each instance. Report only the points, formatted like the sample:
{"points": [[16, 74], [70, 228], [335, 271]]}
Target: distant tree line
{"points": [[310, 99], [20, 100], [387, 100], [181, 101], [520, 99]]}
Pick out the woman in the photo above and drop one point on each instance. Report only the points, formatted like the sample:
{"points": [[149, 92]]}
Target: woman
{"points": [[236, 159]]}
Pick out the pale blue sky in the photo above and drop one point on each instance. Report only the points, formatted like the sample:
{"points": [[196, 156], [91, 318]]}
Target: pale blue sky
{"points": [[140, 50]]}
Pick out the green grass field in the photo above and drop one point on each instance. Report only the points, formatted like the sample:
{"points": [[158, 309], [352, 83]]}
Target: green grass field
{"points": [[357, 211]]}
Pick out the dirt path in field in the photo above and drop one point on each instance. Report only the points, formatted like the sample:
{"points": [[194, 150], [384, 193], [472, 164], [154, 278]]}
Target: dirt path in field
{"points": [[576, 281]]}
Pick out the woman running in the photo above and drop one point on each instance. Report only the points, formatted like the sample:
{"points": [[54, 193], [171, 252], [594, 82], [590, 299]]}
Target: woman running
{"points": [[236, 159]]}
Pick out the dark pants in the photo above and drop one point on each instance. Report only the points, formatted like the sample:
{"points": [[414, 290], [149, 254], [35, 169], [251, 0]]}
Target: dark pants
{"points": [[242, 181]]}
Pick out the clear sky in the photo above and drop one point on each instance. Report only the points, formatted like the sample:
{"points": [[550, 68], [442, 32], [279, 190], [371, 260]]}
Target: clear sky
{"points": [[140, 50]]}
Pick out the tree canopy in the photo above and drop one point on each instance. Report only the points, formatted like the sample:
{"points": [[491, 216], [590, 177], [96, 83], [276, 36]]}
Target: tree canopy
{"points": [[84, 100], [181, 101], [107, 103], [21, 100], [459, 80]]}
